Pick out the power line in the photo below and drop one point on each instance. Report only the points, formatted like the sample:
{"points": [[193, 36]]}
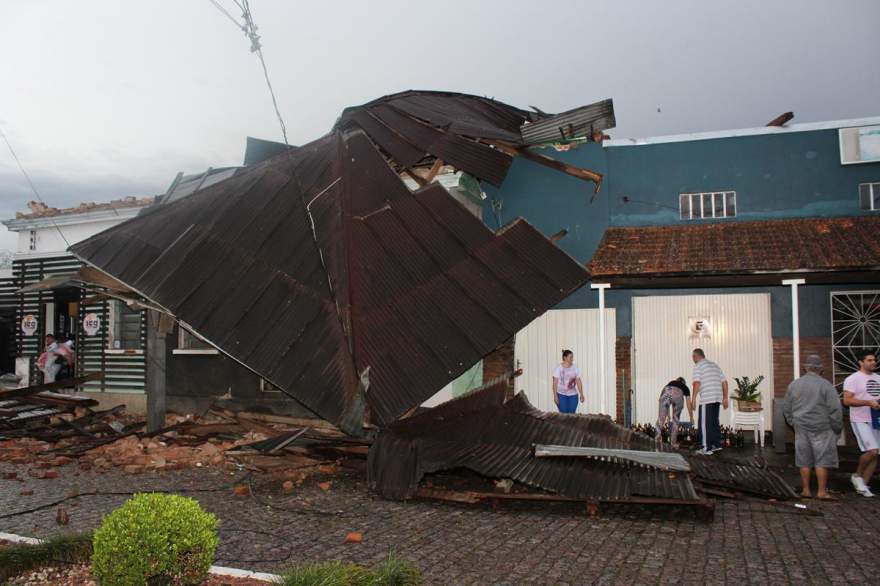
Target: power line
{"points": [[250, 30], [229, 16], [31, 183]]}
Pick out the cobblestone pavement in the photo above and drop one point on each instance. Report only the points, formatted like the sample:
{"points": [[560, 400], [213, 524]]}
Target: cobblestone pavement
{"points": [[749, 542]]}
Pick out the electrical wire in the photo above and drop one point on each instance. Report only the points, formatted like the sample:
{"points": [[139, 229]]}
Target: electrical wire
{"points": [[229, 16], [250, 30], [31, 183]]}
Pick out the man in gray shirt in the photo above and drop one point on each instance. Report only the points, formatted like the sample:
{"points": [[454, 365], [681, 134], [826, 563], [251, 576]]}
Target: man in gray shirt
{"points": [[812, 407]]}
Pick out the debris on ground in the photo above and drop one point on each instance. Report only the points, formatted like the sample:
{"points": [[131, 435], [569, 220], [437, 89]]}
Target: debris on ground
{"points": [[354, 537], [44, 438], [528, 455]]}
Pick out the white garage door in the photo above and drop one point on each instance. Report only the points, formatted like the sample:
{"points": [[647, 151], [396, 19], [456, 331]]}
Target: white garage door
{"points": [[539, 349], [736, 333]]}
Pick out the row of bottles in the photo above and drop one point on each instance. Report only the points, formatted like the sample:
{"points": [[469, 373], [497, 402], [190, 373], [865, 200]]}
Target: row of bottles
{"points": [[689, 436]]}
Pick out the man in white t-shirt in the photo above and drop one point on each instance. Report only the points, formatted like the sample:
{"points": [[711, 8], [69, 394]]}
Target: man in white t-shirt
{"points": [[567, 385], [861, 393]]}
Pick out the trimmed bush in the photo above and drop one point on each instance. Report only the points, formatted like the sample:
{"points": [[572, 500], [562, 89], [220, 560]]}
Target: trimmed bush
{"points": [[157, 539], [393, 571]]}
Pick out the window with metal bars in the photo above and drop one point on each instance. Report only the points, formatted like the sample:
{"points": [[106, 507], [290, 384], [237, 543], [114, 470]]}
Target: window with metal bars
{"points": [[708, 205]]}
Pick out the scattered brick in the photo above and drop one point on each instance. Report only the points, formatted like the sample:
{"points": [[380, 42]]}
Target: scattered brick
{"points": [[354, 537], [62, 517]]}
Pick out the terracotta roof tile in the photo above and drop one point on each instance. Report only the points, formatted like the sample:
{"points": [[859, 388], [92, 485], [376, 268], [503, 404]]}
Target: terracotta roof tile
{"points": [[807, 244], [41, 210]]}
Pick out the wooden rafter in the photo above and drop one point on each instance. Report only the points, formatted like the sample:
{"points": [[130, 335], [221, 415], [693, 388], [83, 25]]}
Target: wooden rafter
{"points": [[526, 153]]}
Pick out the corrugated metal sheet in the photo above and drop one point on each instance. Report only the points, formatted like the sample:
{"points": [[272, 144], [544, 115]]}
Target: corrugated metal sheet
{"points": [[750, 477], [320, 264], [413, 127], [493, 435], [576, 123]]}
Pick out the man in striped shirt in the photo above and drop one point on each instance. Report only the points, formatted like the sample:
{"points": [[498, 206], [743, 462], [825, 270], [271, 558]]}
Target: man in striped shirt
{"points": [[710, 393]]}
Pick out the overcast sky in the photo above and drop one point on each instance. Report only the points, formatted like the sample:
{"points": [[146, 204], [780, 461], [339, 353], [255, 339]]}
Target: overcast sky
{"points": [[104, 99]]}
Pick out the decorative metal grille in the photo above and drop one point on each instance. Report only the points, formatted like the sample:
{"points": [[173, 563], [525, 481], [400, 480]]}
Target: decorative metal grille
{"points": [[855, 326]]}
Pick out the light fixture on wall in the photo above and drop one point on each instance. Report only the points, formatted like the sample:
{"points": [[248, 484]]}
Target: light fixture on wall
{"points": [[699, 327]]}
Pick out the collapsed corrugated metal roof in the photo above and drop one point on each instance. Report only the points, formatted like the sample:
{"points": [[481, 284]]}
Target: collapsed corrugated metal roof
{"points": [[320, 271], [474, 134], [493, 434], [497, 435]]}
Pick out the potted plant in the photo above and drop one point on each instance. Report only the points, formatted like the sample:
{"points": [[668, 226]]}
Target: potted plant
{"points": [[747, 395]]}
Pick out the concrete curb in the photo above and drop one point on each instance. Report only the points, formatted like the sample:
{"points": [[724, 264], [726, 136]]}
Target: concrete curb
{"points": [[216, 570]]}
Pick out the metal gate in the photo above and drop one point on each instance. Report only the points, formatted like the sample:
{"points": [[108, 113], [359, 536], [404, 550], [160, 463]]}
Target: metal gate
{"points": [[855, 326], [734, 329], [538, 349]]}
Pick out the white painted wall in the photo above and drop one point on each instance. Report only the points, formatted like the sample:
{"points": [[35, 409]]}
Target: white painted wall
{"points": [[539, 348], [49, 238], [741, 343]]}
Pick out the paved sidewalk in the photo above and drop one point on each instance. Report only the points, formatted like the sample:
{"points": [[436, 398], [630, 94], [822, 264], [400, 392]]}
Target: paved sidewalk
{"points": [[748, 542]]}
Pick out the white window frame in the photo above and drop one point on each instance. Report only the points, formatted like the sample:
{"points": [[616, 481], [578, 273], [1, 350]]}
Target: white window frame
{"points": [[695, 201], [32, 244], [111, 331], [873, 188], [182, 332], [854, 134]]}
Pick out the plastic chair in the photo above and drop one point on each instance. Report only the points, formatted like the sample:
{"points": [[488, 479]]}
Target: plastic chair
{"points": [[753, 419]]}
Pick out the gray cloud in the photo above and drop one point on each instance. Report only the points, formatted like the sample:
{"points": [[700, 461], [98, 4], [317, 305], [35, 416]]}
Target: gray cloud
{"points": [[120, 96]]}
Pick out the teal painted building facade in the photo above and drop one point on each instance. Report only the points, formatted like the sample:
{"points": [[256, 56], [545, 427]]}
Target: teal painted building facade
{"points": [[776, 173], [780, 173]]}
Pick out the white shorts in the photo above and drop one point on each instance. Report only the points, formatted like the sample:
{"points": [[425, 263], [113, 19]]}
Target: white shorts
{"points": [[866, 435]]}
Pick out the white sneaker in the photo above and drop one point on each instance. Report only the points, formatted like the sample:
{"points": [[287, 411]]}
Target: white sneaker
{"points": [[859, 484], [704, 452]]}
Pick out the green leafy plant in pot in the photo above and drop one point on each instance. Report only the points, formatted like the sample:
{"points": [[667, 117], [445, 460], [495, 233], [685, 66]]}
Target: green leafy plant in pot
{"points": [[747, 395]]}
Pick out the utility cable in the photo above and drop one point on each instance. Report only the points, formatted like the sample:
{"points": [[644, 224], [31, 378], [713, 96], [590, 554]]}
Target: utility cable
{"points": [[249, 28], [31, 183]]}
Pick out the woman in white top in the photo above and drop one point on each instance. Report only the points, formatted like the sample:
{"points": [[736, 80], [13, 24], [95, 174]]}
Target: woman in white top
{"points": [[567, 385]]}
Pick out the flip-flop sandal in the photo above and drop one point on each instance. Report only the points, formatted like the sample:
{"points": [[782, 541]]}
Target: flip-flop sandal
{"points": [[805, 497], [828, 498]]}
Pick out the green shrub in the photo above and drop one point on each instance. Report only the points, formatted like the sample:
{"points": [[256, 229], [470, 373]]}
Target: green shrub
{"points": [[157, 539], [325, 574], [19, 558], [393, 571]]}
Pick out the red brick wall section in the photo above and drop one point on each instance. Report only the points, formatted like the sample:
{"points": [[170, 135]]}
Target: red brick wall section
{"points": [[499, 362], [623, 358], [782, 371], [783, 362]]}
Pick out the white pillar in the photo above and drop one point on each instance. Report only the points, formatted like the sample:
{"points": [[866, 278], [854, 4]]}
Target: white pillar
{"points": [[603, 391], [795, 324]]}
